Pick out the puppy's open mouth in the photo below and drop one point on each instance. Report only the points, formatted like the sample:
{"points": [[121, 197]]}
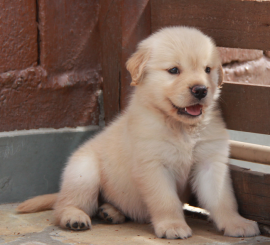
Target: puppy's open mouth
{"points": [[193, 110]]}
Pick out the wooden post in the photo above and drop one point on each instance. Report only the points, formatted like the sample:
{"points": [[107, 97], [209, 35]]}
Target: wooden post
{"points": [[123, 23]]}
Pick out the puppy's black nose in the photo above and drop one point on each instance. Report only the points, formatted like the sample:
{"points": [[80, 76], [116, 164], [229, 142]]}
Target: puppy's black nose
{"points": [[199, 91]]}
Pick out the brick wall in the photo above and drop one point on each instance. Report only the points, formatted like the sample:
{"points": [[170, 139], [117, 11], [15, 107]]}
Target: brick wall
{"points": [[50, 64]]}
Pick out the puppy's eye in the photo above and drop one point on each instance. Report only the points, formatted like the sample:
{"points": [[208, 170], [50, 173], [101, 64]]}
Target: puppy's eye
{"points": [[207, 69], [174, 70]]}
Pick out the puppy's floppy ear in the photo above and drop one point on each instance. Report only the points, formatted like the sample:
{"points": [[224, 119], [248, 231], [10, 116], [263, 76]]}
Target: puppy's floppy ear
{"points": [[136, 64], [220, 75]]}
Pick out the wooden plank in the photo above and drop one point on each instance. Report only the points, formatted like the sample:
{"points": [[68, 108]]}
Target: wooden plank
{"points": [[18, 39], [136, 25], [252, 191], [246, 107], [111, 34], [234, 23]]}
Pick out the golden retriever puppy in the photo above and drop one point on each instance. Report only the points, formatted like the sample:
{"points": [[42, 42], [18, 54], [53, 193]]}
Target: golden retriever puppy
{"points": [[171, 133]]}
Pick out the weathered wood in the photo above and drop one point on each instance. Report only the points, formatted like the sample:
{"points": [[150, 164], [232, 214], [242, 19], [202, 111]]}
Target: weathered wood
{"points": [[136, 25], [123, 23], [111, 35], [246, 107], [234, 23], [252, 191]]}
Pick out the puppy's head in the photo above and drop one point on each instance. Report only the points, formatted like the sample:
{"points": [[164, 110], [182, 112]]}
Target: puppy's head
{"points": [[177, 71]]}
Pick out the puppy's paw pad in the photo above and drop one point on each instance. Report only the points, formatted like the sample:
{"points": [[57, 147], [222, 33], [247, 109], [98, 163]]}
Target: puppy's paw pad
{"points": [[111, 214], [173, 230], [241, 227], [78, 226], [78, 221]]}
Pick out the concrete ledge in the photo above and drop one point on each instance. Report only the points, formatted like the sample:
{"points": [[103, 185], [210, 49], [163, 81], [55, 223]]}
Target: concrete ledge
{"points": [[31, 161]]}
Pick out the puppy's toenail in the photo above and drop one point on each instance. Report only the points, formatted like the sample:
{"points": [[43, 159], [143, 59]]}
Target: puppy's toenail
{"points": [[88, 225], [105, 215], [75, 225], [82, 225], [68, 225], [110, 220]]}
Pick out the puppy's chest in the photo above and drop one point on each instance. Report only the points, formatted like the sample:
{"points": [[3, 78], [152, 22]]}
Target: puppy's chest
{"points": [[177, 150]]}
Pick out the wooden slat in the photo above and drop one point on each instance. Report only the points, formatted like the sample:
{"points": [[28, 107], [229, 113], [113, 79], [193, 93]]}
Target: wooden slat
{"points": [[252, 191], [110, 28], [246, 107], [123, 24], [234, 23], [136, 25]]}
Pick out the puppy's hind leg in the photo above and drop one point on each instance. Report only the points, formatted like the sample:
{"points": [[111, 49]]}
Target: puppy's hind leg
{"points": [[110, 214], [78, 198]]}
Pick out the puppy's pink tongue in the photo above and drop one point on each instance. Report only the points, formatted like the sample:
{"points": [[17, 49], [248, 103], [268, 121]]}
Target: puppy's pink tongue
{"points": [[194, 110]]}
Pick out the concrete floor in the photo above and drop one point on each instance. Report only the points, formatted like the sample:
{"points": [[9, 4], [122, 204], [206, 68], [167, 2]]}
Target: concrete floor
{"points": [[38, 229]]}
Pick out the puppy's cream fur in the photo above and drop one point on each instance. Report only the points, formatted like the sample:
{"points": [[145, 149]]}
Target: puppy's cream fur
{"points": [[142, 162]]}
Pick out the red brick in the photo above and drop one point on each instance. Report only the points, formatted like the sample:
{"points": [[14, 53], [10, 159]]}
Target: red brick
{"points": [[29, 101], [18, 39], [69, 35]]}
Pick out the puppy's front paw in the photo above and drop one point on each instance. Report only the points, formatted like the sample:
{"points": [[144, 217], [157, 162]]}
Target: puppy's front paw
{"points": [[241, 227], [173, 230], [75, 219]]}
